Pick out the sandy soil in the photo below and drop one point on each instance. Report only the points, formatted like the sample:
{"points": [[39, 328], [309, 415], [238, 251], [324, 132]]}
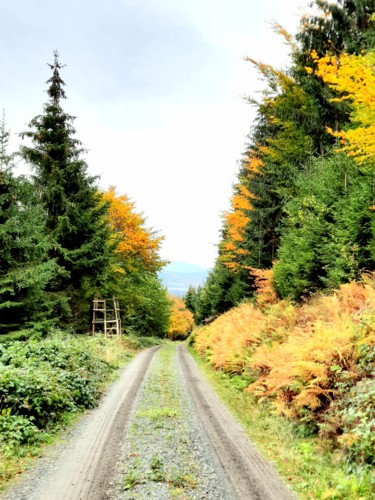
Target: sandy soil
{"points": [[83, 469]]}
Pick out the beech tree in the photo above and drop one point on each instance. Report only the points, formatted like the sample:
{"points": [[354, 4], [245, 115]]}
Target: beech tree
{"points": [[353, 78], [144, 303], [181, 320], [73, 208], [137, 247]]}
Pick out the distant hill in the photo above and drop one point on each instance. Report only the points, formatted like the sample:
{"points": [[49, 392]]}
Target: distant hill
{"points": [[178, 276]]}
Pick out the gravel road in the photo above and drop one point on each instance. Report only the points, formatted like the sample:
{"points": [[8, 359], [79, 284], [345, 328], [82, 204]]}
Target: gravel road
{"points": [[161, 433]]}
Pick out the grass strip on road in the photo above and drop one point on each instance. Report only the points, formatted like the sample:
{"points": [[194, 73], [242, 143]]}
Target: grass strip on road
{"points": [[163, 452]]}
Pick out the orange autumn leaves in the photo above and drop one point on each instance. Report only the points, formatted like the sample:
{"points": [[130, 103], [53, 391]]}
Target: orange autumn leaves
{"points": [[181, 320], [237, 218], [353, 78], [293, 355], [136, 246], [236, 221]]}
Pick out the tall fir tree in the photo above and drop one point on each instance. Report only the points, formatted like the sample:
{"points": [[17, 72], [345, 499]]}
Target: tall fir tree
{"points": [[327, 236], [74, 209], [25, 269]]}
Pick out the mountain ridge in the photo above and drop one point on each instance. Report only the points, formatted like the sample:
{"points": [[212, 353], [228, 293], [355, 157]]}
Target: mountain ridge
{"points": [[177, 276]]}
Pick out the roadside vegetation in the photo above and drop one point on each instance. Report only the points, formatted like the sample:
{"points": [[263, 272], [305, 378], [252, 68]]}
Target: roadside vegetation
{"points": [[287, 314], [46, 383], [301, 379]]}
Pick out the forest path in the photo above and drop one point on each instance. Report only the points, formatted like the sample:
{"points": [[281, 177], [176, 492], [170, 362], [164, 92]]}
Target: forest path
{"points": [[160, 432]]}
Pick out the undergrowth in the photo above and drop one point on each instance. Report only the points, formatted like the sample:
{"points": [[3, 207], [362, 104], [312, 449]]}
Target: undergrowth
{"points": [[306, 462], [45, 383], [313, 364]]}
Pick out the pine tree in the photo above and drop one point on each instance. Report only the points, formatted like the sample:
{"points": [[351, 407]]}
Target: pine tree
{"points": [[25, 269], [191, 299], [74, 210]]}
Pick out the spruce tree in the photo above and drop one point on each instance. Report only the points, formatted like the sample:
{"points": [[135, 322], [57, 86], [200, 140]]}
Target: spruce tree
{"points": [[327, 236], [25, 269], [73, 208]]}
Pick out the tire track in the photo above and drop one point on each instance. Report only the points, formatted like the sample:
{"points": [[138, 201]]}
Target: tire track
{"points": [[166, 452], [85, 470], [252, 477]]}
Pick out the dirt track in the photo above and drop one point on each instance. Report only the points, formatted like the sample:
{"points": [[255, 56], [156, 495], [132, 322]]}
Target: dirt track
{"points": [[250, 475], [85, 467]]}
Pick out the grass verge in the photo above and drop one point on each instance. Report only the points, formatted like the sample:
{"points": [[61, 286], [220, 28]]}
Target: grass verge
{"points": [[313, 471]]}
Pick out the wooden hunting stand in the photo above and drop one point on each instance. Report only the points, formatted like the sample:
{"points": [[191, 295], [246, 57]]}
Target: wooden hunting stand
{"points": [[106, 318]]}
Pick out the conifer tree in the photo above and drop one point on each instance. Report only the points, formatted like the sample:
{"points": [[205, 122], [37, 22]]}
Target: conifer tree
{"points": [[345, 25], [25, 269], [74, 210], [294, 116], [191, 299], [327, 236]]}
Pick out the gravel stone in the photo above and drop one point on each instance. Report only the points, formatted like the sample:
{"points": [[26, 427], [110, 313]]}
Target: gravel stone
{"points": [[166, 453]]}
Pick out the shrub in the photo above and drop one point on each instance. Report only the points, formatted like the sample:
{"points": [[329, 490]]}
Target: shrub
{"points": [[313, 362], [358, 425], [40, 380], [16, 430]]}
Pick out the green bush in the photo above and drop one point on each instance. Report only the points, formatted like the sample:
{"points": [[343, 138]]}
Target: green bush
{"points": [[41, 380], [358, 423], [142, 342], [41, 393], [16, 430]]}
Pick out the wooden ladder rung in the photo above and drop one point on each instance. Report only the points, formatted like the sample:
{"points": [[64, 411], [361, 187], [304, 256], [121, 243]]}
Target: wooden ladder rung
{"points": [[109, 316]]}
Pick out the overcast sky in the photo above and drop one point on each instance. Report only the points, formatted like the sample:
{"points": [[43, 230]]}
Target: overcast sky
{"points": [[156, 86]]}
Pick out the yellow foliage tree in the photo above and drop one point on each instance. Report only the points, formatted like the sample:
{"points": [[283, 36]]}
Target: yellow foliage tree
{"points": [[235, 221], [136, 246], [181, 319], [353, 77]]}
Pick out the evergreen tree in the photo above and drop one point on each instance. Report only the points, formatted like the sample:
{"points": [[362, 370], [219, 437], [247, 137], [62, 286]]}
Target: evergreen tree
{"points": [[345, 25], [333, 242], [73, 208], [191, 299], [25, 269], [327, 235], [144, 304], [222, 290]]}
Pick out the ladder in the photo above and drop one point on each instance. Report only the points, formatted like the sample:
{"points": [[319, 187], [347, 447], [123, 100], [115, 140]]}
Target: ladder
{"points": [[106, 317]]}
